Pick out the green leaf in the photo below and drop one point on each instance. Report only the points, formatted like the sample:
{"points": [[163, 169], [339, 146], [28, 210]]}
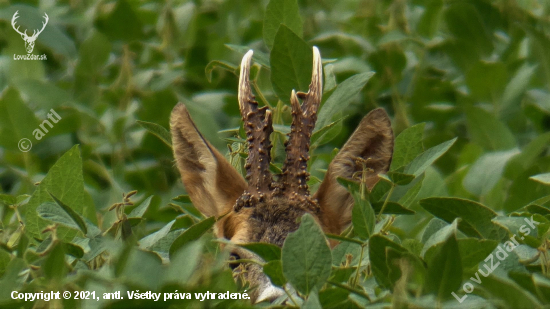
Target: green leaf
{"points": [[528, 156], [291, 61], [392, 208], [327, 133], [542, 178], [268, 252], [51, 211], [73, 249], [184, 263], [182, 199], [72, 214], [421, 162], [139, 211], [445, 269], [476, 218], [191, 234], [408, 145], [487, 171], [219, 64], [274, 270], [378, 255], [473, 251], [281, 12], [341, 98], [258, 56], [158, 131], [8, 200], [508, 292], [517, 86], [54, 266], [487, 131], [17, 121], [151, 239], [400, 178], [312, 302], [306, 257], [362, 216], [65, 181]]}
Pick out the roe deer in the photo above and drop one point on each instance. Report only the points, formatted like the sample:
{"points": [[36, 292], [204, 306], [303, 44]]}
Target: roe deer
{"points": [[266, 208]]}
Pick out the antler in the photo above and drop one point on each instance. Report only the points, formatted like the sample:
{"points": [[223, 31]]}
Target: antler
{"points": [[258, 127], [295, 174], [43, 26], [15, 16]]}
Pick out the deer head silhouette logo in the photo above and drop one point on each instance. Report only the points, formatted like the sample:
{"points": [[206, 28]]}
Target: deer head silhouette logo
{"points": [[264, 208], [29, 40]]}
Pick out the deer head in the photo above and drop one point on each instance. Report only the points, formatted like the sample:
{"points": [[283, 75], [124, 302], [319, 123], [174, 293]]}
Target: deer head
{"points": [[29, 40], [265, 207]]}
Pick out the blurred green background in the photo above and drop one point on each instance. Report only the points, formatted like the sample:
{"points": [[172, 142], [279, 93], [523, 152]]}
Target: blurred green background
{"points": [[478, 70]]}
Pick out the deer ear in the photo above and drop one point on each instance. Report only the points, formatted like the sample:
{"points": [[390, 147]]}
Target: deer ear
{"points": [[371, 143], [211, 182]]}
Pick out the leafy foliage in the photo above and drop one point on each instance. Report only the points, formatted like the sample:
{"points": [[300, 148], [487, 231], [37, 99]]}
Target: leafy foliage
{"points": [[465, 82]]}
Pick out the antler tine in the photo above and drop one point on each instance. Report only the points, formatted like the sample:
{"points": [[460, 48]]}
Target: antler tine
{"points": [[258, 127], [16, 16], [43, 26], [295, 175]]}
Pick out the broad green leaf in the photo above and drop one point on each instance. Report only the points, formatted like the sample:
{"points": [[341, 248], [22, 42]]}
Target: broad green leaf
{"points": [[362, 216], [445, 269], [404, 260], [437, 238], [392, 208], [54, 266], [327, 133], [529, 154], [93, 54], [151, 239], [408, 145], [473, 251], [139, 211], [281, 12], [486, 79], [258, 56], [340, 99], [51, 211], [509, 292], [487, 171], [476, 218], [65, 181], [487, 131], [268, 252], [158, 131], [8, 200], [143, 268], [312, 302], [542, 178], [274, 270], [72, 214], [306, 257], [291, 61], [400, 178], [191, 234], [378, 255], [182, 199], [73, 249], [517, 86], [17, 121], [5, 258], [425, 159], [412, 192], [219, 64], [184, 263]]}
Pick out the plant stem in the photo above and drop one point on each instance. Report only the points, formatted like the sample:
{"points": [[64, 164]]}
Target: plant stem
{"points": [[358, 266], [290, 296], [385, 202]]}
